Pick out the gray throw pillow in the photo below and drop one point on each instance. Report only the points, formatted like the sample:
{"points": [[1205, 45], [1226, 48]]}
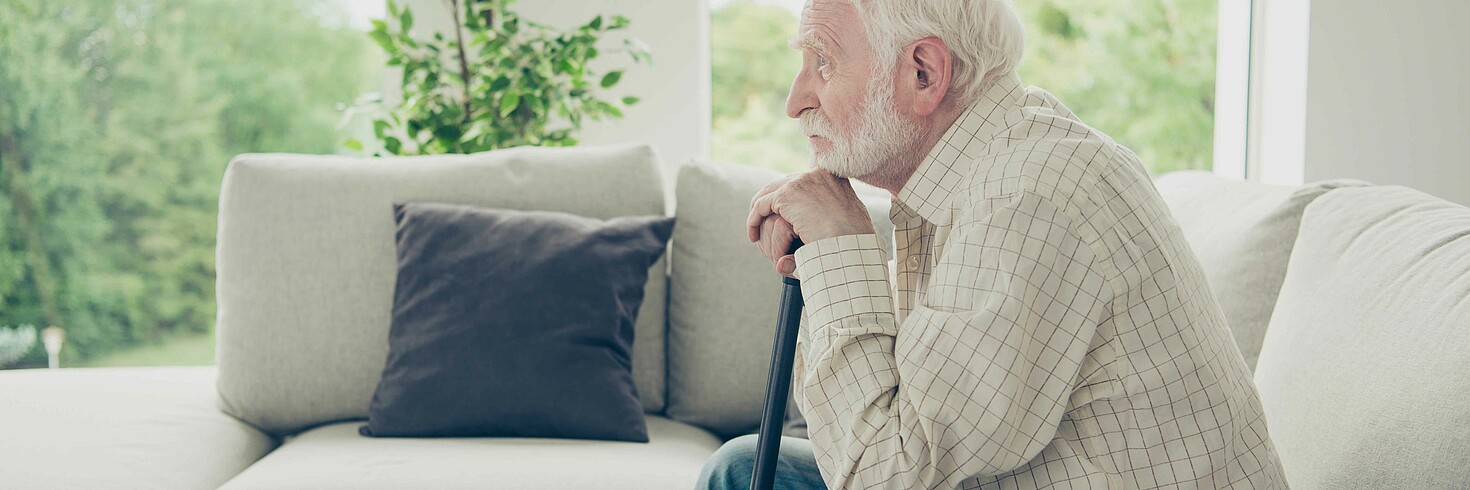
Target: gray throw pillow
{"points": [[515, 324]]}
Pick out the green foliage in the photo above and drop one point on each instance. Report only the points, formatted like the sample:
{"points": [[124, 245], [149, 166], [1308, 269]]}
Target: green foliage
{"points": [[751, 71], [117, 119], [512, 82], [1142, 71]]}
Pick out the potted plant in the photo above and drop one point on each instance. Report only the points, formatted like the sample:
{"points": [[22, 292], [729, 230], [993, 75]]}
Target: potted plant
{"points": [[497, 81]]}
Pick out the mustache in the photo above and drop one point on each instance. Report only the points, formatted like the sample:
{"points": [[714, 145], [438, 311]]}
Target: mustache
{"points": [[813, 123]]}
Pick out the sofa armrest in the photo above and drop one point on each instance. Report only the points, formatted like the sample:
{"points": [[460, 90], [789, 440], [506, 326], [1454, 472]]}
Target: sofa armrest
{"points": [[120, 428]]}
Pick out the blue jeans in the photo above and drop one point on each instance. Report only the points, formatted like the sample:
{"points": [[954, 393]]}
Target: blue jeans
{"points": [[730, 467]]}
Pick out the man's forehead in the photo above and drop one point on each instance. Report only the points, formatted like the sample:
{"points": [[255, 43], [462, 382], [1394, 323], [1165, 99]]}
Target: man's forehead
{"points": [[820, 22]]}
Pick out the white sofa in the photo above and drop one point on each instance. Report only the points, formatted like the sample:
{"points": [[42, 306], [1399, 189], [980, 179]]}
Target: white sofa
{"points": [[1364, 359]]}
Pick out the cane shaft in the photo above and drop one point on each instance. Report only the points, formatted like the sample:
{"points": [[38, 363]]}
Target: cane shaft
{"points": [[778, 385]]}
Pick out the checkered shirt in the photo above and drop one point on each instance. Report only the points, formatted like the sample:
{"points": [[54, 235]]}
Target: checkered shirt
{"points": [[1051, 327]]}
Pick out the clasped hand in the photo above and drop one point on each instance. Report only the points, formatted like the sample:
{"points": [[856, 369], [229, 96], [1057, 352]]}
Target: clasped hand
{"points": [[813, 205]]}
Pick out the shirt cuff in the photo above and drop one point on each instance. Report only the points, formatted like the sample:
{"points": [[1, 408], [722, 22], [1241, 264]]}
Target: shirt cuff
{"points": [[842, 277]]}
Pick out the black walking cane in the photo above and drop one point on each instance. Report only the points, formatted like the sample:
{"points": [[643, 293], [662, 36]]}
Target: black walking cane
{"points": [[778, 386]]}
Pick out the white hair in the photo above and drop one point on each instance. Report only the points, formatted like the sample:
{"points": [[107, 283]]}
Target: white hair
{"points": [[985, 37]]}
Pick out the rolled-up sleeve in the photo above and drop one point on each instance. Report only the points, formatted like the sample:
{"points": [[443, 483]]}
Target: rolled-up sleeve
{"points": [[976, 379]]}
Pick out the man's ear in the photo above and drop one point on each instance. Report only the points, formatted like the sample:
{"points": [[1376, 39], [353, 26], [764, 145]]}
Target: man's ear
{"points": [[929, 68]]}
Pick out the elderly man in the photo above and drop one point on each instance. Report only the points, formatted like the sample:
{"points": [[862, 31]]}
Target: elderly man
{"points": [[1050, 327]]}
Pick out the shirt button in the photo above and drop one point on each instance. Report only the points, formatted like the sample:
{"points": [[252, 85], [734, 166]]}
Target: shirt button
{"points": [[912, 264]]}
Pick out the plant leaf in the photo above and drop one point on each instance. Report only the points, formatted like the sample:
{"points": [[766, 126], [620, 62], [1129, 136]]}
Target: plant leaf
{"points": [[470, 135], [380, 34], [448, 132], [509, 102], [499, 84], [352, 144], [611, 78]]}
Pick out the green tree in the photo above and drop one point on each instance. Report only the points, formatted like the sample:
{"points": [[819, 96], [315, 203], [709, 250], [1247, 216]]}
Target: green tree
{"points": [[52, 217], [1142, 71], [752, 69], [117, 119]]}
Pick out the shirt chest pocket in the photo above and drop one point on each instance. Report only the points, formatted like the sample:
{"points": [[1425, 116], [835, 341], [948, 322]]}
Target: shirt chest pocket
{"points": [[963, 277]]}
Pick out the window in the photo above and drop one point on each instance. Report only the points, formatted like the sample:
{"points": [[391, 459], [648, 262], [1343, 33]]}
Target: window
{"points": [[751, 70], [117, 119], [1142, 71]]}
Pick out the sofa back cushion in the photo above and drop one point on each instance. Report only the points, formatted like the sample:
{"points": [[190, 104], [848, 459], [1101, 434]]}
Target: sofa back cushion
{"points": [[1242, 233], [1363, 373], [723, 296], [306, 264]]}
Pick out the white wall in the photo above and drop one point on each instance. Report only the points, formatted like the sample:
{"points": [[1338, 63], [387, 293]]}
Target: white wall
{"points": [[1386, 97], [674, 111], [1379, 94]]}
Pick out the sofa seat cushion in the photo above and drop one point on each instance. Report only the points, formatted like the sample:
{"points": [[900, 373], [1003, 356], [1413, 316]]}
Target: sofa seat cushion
{"points": [[155, 428], [335, 456], [1363, 372]]}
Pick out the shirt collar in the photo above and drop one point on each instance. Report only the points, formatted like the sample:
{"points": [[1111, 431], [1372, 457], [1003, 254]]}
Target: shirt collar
{"points": [[929, 190]]}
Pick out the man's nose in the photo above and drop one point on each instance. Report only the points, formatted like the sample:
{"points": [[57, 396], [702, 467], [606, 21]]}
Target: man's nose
{"points": [[802, 96]]}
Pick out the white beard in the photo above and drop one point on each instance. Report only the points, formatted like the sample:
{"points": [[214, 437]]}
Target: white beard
{"points": [[881, 138]]}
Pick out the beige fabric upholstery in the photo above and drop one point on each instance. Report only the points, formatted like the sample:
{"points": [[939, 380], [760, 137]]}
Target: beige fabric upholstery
{"points": [[1242, 233], [1365, 369], [307, 261], [335, 456], [724, 295], [147, 428]]}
